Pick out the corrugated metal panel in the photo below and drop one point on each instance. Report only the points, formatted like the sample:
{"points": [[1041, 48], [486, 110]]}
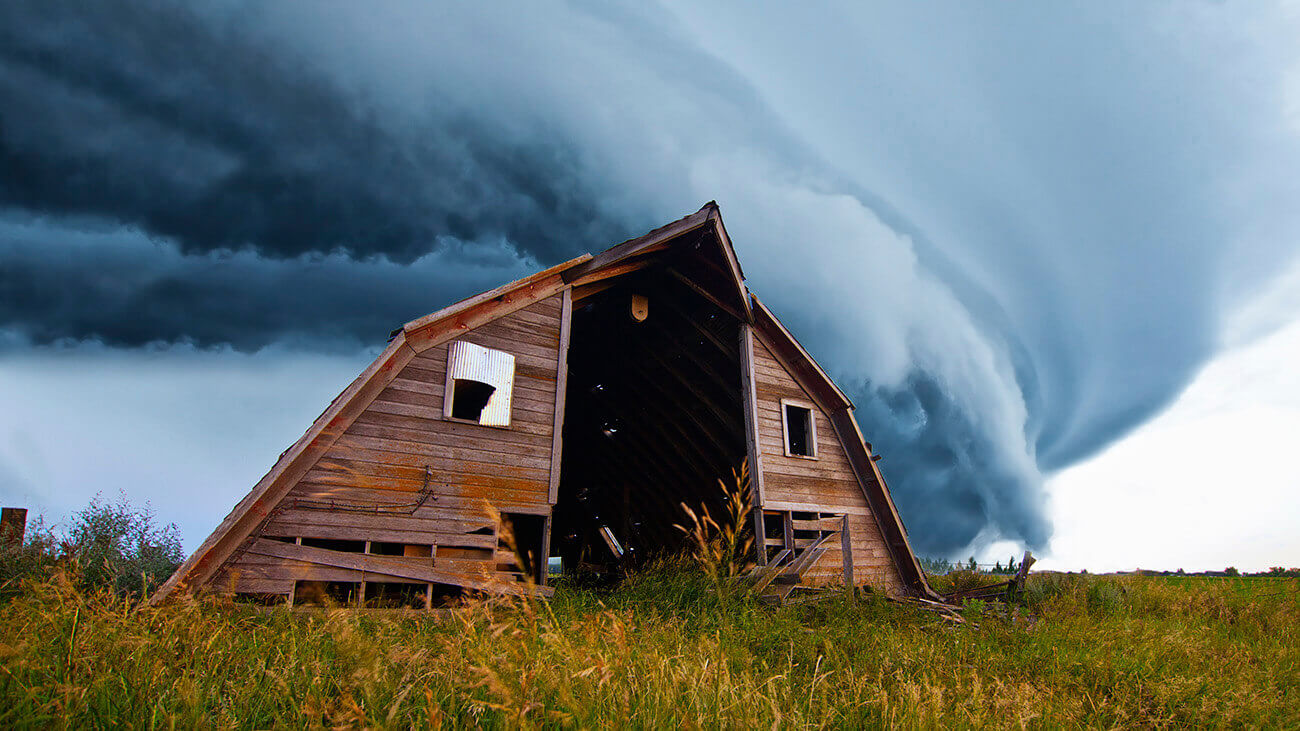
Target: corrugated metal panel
{"points": [[493, 367]]}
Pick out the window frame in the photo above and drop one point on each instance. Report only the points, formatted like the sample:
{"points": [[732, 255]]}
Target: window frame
{"points": [[812, 428], [449, 388]]}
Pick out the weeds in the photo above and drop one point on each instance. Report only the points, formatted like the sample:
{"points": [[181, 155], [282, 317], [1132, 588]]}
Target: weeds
{"points": [[663, 650], [722, 546]]}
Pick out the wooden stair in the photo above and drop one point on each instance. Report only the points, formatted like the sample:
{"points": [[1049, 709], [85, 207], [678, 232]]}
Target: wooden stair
{"points": [[784, 573]]}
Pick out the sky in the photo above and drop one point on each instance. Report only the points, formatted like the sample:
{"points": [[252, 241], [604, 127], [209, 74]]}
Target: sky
{"points": [[1050, 251]]}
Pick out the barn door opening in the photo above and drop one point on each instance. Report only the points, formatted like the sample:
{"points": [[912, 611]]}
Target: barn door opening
{"points": [[653, 419]]}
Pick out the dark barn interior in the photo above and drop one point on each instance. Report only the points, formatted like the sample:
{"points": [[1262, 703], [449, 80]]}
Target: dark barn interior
{"points": [[653, 419]]}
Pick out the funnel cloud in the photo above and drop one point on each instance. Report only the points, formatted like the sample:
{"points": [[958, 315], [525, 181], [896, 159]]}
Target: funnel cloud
{"points": [[1009, 241]]}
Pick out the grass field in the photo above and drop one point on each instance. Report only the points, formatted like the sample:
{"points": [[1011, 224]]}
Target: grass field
{"points": [[668, 649]]}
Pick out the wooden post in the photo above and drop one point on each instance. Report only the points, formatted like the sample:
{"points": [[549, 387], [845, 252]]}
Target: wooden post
{"points": [[361, 589], [428, 596], [787, 528], [561, 386], [749, 398], [846, 545], [544, 561], [13, 526], [1022, 575]]}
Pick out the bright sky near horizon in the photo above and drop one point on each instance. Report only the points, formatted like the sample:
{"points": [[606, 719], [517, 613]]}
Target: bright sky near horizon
{"points": [[1052, 252]]}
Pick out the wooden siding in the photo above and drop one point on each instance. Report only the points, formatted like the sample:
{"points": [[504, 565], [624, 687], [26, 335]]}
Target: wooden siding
{"points": [[826, 484], [384, 455]]}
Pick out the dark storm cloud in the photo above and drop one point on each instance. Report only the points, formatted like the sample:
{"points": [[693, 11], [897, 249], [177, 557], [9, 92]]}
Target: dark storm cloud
{"points": [[1016, 260], [191, 128], [61, 284]]}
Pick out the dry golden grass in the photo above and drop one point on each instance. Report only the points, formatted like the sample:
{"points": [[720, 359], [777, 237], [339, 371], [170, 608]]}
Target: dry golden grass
{"points": [[667, 649]]}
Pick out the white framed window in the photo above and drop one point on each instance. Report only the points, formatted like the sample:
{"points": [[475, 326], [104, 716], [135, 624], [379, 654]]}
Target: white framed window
{"points": [[480, 382], [799, 429]]}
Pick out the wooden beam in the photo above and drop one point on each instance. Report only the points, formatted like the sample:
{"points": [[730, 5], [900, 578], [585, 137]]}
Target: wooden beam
{"points": [[612, 271], [733, 264], [424, 333], [588, 291], [631, 247], [846, 548], [561, 393], [673, 305], [749, 401], [706, 294], [769, 574], [493, 294]]}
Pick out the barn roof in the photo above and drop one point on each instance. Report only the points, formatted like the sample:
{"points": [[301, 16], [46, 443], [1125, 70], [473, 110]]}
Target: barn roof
{"points": [[698, 242]]}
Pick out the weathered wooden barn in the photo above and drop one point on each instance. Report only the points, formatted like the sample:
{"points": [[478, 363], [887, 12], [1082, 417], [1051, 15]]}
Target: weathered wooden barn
{"points": [[568, 414]]}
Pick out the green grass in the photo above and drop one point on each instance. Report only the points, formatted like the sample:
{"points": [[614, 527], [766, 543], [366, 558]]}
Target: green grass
{"points": [[666, 650]]}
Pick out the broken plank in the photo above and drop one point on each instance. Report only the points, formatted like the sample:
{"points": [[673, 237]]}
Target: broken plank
{"points": [[390, 566]]}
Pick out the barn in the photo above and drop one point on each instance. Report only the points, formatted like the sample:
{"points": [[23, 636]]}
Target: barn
{"points": [[565, 419]]}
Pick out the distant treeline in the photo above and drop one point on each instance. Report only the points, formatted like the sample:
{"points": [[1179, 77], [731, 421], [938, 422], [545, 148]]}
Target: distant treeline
{"points": [[941, 566], [1276, 571]]}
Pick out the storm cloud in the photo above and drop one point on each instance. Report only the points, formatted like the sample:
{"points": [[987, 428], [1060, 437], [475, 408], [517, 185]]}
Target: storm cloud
{"points": [[1010, 240]]}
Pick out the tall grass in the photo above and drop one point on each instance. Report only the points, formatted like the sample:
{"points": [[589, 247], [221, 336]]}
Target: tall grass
{"points": [[663, 650]]}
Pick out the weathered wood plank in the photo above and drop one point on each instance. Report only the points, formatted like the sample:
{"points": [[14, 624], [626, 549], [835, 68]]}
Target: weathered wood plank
{"points": [[429, 521], [450, 323], [520, 402], [288, 470], [522, 423], [287, 529], [813, 507], [237, 583], [444, 433], [414, 454], [390, 566], [470, 505], [466, 485], [440, 470], [826, 524]]}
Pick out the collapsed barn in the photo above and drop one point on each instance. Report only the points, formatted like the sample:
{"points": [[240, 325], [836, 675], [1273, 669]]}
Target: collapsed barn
{"points": [[566, 418]]}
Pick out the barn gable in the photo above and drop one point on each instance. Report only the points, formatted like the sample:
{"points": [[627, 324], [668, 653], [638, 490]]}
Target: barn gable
{"points": [[629, 382]]}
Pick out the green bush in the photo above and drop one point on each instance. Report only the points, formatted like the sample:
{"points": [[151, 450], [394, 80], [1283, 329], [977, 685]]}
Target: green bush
{"points": [[118, 547], [110, 546]]}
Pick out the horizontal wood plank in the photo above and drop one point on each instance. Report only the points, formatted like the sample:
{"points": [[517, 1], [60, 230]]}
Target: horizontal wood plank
{"points": [[392, 566]]}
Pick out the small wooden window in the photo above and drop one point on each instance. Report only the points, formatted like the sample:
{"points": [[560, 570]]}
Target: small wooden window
{"points": [[799, 428], [479, 384]]}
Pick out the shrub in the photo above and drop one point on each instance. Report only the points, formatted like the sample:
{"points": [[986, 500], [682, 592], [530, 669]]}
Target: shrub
{"points": [[1041, 589], [117, 547], [1104, 597], [962, 580]]}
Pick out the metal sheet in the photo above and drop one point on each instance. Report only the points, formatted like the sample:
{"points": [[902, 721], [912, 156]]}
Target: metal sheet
{"points": [[496, 368]]}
